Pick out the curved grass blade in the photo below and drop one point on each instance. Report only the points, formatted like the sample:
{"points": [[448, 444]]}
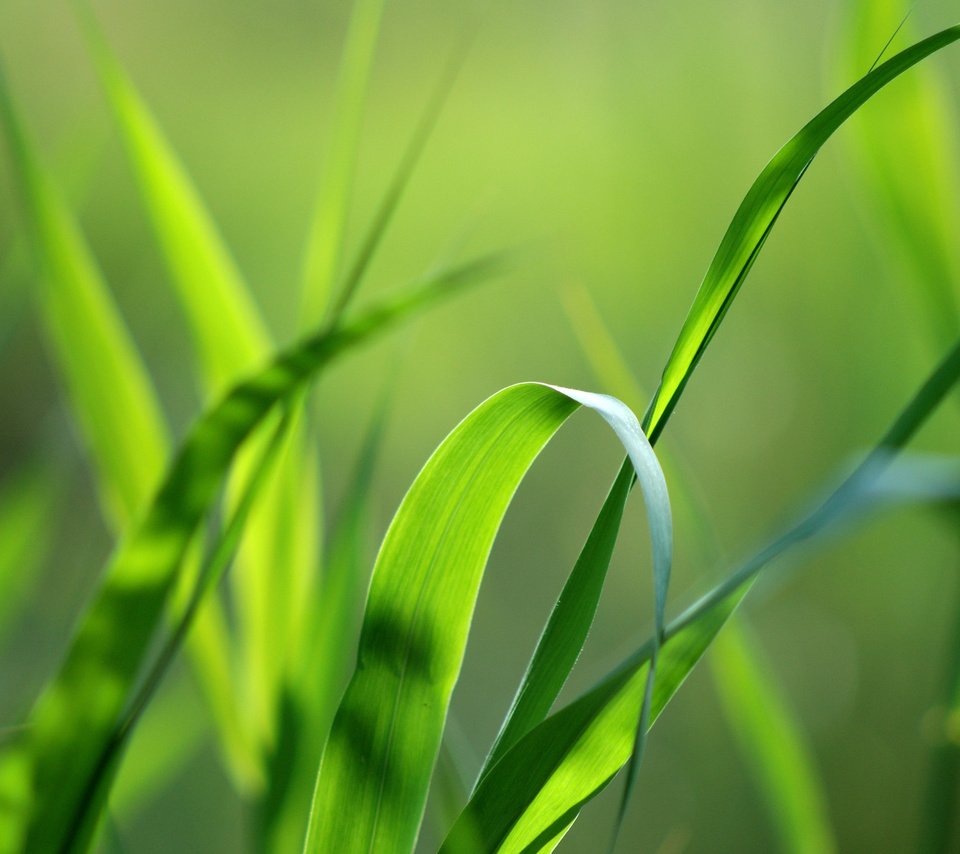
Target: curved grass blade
{"points": [[755, 219], [46, 772], [538, 788], [375, 773], [771, 740]]}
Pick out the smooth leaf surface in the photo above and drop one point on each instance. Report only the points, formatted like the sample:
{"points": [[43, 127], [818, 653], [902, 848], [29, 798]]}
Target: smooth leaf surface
{"points": [[377, 764]]}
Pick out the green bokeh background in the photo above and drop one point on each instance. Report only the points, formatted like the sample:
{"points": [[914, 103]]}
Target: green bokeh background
{"points": [[614, 141]]}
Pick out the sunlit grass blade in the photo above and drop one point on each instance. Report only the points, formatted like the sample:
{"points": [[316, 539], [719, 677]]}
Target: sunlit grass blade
{"points": [[325, 240], [904, 150], [754, 221], [29, 504], [376, 768], [770, 738], [229, 333], [770, 741], [46, 771], [541, 784]]}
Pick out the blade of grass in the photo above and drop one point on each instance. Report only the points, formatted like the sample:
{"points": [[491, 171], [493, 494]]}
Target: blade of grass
{"points": [[755, 219], [539, 786], [45, 772], [325, 241], [92, 800], [110, 392], [374, 777], [770, 738], [752, 224], [771, 742], [231, 340]]}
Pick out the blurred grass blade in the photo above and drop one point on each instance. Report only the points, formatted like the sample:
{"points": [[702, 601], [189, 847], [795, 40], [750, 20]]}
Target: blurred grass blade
{"points": [[29, 506], [905, 152], [228, 331], [167, 737], [541, 784], [325, 241], [405, 169], [755, 218], [279, 552], [110, 392], [45, 772], [376, 768], [97, 787], [771, 740]]}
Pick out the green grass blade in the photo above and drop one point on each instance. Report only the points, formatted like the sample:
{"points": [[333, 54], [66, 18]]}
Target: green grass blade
{"points": [[376, 768], [756, 217], [29, 499], [540, 785], [325, 241], [771, 742], [904, 149], [770, 739], [45, 772], [110, 391], [228, 331]]}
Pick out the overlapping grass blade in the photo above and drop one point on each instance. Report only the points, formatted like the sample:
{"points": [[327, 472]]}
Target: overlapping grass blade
{"points": [[539, 786], [751, 225], [755, 218], [771, 740], [376, 768], [46, 772]]}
